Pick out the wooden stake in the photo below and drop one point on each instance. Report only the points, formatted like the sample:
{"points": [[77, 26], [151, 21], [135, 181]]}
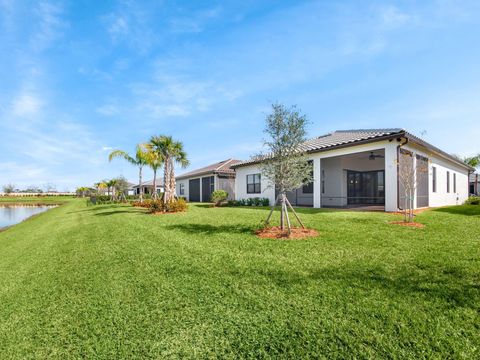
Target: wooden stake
{"points": [[295, 213], [282, 213], [271, 211], [288, 220]]}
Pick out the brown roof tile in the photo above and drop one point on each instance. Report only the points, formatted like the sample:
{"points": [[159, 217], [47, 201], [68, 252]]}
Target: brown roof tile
{"points": [[221, 167]]}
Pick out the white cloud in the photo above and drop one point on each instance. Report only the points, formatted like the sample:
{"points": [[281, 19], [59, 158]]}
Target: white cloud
{"points": [[26, 105], [194, 23], [50, 27], [108, 110], [392, 17], [118, 26]]}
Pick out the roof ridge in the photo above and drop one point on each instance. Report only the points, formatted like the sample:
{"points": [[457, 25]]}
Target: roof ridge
{"points": [[223, 163], [370, 130]]}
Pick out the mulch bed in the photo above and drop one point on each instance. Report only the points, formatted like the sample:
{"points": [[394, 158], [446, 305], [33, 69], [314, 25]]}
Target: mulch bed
{"points": [[275, 232], [408, 224]]}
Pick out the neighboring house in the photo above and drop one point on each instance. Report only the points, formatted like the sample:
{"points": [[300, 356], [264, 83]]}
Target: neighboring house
{"points": [[353, 168], [131, 189], [475, 184], [148, 187], [198, 185]]}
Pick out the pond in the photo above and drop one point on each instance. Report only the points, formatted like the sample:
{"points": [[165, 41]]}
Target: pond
{"points": [[13, 214]]}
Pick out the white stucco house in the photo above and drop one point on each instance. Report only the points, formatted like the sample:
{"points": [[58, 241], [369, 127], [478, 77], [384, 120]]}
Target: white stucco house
{"points": [[198, 184], [353, 168], [147, 187]]}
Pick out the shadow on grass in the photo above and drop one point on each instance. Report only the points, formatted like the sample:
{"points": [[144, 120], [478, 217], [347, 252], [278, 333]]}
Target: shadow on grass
{"points": [[202, 205], [211, 229], [119, 212], [111, 209], [468, 210], [451, 285]]}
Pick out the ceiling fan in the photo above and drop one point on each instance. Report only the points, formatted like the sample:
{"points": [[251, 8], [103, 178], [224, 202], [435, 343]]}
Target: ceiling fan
{"points": [[373, 156]]}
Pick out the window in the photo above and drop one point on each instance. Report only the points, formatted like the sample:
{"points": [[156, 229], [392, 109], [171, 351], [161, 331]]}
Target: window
{"points": [[434, 179], [253, 184], [323, 181], [182, 189], [448, 181], [308, 188], [454, 182], [212, 184]]}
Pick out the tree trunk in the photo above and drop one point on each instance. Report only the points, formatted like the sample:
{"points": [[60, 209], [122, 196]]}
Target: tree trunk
{"points": [[140, 184], [282, 214], [166, 180], [172, 181], [154, 193]]}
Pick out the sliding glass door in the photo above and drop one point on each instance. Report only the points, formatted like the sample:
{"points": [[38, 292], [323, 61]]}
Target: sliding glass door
{"points": [[366, 187]]}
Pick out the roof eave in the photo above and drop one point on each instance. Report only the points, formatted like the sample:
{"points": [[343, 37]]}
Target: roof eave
{"points": [[339, 146], [418, 141], [215, 172]]}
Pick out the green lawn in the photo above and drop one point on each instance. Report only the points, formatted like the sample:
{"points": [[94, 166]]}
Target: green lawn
{"points": [[112, 282]]}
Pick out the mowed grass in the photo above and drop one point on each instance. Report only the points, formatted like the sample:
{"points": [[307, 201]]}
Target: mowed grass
{"points": [[113, 282]]}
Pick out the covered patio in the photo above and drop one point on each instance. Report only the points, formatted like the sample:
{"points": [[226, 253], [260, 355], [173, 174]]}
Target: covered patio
{"points": [[354, 181]]}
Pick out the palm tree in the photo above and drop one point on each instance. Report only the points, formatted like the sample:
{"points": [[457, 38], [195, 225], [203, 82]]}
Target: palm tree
{"points": [[155, 161], [111, 185], [100, 186], [171, 152], [473, 161], [139, 160]]}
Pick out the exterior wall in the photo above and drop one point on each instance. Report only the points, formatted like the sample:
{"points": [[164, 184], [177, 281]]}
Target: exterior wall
{"points": [[267, 189], [227, 184], [441, 197], [177, 189]]}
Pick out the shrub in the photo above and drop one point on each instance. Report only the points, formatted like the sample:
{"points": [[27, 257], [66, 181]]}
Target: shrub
{"points": [[473, 200], [250, 202], [175, 205], [155, 206], [219, 196], [144, 204]]}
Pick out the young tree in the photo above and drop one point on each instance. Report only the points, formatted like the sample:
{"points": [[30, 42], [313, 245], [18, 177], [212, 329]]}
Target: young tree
{"points": [[121, 186], [171, 152], [473, 161], [140, 160], [410, 175], [8, 188], [284, 164]]}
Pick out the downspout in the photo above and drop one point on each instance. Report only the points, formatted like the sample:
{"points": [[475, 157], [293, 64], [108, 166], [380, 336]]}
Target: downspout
{"points": [[476, 184], [398, 169]]}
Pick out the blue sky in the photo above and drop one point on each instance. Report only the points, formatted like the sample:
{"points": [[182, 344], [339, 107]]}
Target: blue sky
{"points": [[79, 78]]}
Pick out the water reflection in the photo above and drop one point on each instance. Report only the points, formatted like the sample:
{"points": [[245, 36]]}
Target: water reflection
{"points": [[13, 214]]}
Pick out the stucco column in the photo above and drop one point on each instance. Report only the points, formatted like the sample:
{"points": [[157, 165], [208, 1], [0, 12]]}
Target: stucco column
{"points": [[317, 182], [391, 184]]}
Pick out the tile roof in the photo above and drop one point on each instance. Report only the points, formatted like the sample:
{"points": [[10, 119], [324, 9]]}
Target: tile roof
{"points": [[221, 167], [345, 138], [338, 138], [342, 137], [150, 182]]}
